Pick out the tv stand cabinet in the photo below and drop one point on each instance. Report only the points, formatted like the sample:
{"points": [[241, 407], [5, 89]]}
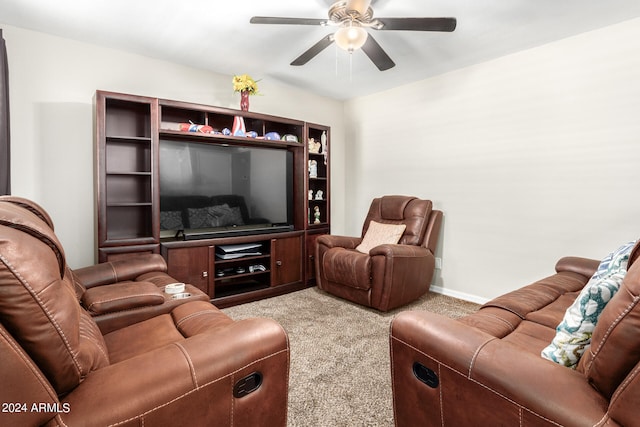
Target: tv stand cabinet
{"points": [[128, 131], [276, 270]]}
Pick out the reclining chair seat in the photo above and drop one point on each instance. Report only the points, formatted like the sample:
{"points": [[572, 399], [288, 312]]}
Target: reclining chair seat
{"points": [[190, 365], [389, 275]]}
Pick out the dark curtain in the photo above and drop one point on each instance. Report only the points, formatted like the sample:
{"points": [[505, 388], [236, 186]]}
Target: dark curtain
{"points": [[5, 158]]}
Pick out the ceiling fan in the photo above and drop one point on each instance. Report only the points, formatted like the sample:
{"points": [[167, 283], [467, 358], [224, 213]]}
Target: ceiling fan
{"points": [[352, 18]]}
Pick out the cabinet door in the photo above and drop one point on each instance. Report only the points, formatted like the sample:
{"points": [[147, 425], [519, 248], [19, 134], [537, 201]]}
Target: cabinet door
{"points": [[286, 260], [192, 265]]}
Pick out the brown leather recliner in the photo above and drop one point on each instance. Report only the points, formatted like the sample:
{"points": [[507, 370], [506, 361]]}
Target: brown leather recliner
{"points": [[389, 275], [154, 363], [486, 368]]}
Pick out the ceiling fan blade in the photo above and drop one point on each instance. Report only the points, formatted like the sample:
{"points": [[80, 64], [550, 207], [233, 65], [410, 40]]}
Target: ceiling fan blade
{"points": [[377, 55], [313, 51], [286, 21], [417, 24], [361, 6]]}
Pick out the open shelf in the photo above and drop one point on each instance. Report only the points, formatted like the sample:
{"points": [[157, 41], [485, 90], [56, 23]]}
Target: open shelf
{"points": [[130, 133]]}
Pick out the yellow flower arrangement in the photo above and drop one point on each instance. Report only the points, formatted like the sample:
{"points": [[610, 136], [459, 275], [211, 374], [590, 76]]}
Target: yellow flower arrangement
{"points": [[246, 83]]}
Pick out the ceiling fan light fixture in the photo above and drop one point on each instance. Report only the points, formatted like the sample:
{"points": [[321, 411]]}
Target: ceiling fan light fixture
{"points": [[350, 38]]}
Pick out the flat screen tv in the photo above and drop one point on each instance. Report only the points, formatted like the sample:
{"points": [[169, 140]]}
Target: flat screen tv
{"points": [[217, 190]]}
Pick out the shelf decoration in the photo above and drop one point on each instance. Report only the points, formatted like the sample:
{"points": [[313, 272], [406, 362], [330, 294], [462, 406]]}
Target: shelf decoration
{"points": [[246, 85], [313, 169], [316, 215], [238, 127], [314, 146]]}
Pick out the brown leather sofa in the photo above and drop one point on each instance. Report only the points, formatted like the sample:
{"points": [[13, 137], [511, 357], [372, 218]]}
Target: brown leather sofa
{"points": [[486, 368], [389, 275], [106, 346]]}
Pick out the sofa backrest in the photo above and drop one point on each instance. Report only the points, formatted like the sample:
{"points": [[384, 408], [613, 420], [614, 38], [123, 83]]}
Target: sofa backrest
{"points": [[615, 344], [411, 211], [38, 303], [30, 206]]}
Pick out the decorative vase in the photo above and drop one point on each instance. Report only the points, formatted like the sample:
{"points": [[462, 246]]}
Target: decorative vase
{"points": [[244, 100]]}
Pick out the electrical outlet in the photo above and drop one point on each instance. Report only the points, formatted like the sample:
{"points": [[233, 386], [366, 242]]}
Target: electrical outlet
{"points": [[439, 263]]}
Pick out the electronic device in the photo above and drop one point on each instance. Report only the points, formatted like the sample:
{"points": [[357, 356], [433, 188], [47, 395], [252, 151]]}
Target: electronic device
{"points": [[256, 268], [253, 184]]}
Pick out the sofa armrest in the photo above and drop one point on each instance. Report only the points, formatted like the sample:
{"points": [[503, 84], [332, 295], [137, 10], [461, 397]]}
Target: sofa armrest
{"points": [[121, 296], [331, 241], [584, 266], [400, 251], [482, 380], [119, 270], [400, 274], [110, 321], [191, 382]]}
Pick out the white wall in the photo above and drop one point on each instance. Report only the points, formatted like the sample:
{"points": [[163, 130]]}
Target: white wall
{"points": [[52, 84], [531, 157]]}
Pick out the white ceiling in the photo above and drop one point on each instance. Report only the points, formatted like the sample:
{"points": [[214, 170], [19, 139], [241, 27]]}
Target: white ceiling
{"points": [[216, 35]]}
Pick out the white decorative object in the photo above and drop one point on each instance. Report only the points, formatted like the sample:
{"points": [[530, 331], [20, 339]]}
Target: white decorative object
{"points": [[319, 195], [316, 215], [310, 194], [314, 146], [323, 141], [313, 169], [174, 288]]}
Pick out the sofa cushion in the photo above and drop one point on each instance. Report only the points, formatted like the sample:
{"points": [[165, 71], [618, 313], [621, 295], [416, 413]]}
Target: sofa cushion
{"points": [[573, 334], [380, 234], [615, 347]]}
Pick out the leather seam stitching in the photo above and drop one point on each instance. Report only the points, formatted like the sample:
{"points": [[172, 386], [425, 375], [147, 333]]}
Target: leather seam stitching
{"points": [[102, 301], [190, 362], [49, 316], [594, 353], [478, 383], [230, 374], [192, 315]]}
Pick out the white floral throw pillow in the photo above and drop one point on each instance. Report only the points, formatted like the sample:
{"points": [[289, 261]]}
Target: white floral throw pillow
{"points": [[573, 334]]}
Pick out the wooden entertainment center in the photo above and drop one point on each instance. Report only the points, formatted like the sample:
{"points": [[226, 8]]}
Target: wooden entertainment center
{"points": [[129, 129]]}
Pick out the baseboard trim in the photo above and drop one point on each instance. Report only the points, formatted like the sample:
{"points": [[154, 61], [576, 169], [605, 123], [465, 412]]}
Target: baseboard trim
{"points": [[460, 295]]}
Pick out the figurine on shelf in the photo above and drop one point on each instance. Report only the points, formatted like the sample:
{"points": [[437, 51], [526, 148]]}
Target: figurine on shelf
{"points": [[238, 127], [316, 215], [310, 194], [192, 127], [323, 141], [313, 169], [319, 195], [314, 146]]}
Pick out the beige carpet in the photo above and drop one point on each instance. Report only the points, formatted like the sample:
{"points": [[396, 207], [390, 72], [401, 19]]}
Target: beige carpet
{"points": [[339, 354]]}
